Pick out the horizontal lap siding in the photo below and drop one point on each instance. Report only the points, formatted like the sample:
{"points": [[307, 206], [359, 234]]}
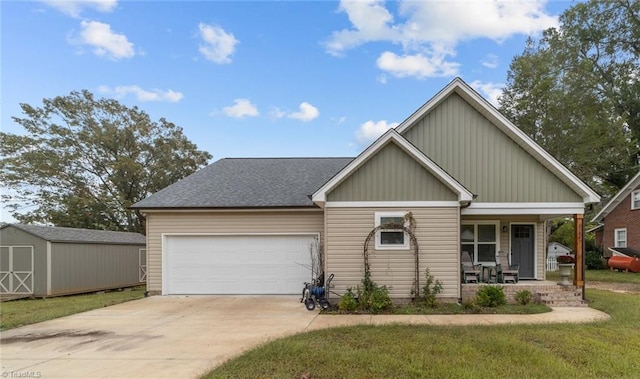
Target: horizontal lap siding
{"points": [[220, 222], [437, 232]]}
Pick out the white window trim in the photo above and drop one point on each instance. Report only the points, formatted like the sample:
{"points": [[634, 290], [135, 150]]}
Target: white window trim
{"points": [[475, 224], [633, 194], [616, 240], [379, 246]]}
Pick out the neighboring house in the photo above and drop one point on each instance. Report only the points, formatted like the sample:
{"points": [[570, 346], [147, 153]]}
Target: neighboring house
{"points": [[471, 180], [46, 261], [619, 232], [555, 249]]}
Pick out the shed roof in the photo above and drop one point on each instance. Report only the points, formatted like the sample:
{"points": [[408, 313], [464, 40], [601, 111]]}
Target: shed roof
{"points": [[75, 235], [248, 183]]}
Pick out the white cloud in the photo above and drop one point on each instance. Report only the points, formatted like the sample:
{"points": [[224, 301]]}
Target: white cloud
{"points": [[491, 91], [418, 65], [276, 113], [370, 21], [241, 108], [74, 8], [428, 32], [217, 45], [306, 113], [371, 130], [104, 42], [490, 61], [142, 94]]}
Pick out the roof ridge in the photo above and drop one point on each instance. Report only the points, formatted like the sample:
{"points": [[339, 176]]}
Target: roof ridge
{"points": [[263, 158]]}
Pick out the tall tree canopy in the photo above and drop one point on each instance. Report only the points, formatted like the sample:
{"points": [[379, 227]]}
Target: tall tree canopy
{"points": [[82, 162], [576, 91]]}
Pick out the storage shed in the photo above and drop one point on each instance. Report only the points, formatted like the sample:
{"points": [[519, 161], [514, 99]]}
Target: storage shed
{"points": [[45, 261]]}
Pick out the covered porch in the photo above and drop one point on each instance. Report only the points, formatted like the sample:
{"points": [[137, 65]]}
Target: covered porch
{"points": [[522, 236]]}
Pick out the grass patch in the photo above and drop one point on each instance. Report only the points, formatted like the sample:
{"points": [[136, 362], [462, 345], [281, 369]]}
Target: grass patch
{"points": [[452, 309], [597, 350], [602, 276], [29, 311], [612, 276]]}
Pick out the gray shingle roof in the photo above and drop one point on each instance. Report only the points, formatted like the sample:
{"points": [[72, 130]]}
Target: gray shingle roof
{"points": [[59, 234], [249, 183]]}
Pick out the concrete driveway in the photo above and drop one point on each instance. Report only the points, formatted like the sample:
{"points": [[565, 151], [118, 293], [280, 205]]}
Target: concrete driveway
{"points": [[154, 337]]}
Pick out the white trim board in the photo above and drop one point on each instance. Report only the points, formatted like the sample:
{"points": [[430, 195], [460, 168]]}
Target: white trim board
{"points": [[523, 209], [392, 204]]}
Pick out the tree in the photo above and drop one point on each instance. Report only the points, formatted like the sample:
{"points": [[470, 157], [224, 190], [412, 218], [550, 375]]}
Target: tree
{"points": [[576, 91], [83, 162]]}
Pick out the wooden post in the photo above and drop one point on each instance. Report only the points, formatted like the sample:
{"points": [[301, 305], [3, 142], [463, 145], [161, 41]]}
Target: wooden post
{"points": [[578, 279]]}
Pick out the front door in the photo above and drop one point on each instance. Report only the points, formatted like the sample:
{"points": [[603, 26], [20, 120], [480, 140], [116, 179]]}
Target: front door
{"points": [[522, 249]]}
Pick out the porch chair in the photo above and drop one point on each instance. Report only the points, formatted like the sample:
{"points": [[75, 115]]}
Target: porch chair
{"points": [[506, 272], [470, 272]]}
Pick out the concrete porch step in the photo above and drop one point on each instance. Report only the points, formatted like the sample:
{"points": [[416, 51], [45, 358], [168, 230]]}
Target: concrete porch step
{"points": [[561, 296], [565, 303]]}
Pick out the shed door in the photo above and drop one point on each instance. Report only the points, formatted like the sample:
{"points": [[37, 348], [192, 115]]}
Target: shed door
{"points": [[142, 265], [248, 264], [16, 270]]}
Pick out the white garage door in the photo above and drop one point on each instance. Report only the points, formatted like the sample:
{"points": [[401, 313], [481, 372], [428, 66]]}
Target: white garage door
{"points": [[249, 264]]}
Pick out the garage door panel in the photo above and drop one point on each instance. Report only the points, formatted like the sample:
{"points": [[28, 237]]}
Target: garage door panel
{"points": [[264, 264]]}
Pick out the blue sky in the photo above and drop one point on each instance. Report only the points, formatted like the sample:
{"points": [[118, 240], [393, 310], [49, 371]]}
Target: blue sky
{"points": [[264, 78]]}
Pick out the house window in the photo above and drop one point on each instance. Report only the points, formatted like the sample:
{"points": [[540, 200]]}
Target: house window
{"points": [[620, 237], [635, 199], [391, 239], [480, 241]]}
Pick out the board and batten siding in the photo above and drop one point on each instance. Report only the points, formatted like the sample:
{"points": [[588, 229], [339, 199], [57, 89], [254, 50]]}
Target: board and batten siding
{"points": [[233, 222], [391, 175], [505, 237], [437, 232], [87, 267], [483, 158]]}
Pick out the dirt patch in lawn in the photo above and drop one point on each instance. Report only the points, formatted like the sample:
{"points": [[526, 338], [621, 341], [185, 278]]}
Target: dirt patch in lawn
{"points": [[615, 287]]}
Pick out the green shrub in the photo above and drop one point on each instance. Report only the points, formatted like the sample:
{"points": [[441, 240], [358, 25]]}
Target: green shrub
{"points": [[348, 302], [594, 260], [490, 296], [430, 290], [373, 298], [523, 297]]}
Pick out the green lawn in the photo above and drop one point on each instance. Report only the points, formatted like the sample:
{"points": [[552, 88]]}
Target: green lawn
{"points": [[28, 311], [612, 276], [608, 349], [603, 276]]}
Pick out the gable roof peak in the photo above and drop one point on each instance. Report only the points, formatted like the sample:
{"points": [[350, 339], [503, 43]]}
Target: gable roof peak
{"points": [[491, 113], [392, 136], [618, 198]]}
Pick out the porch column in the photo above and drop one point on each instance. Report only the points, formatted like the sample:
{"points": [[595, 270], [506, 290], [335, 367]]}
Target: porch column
{"points": [[578, 279]]}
